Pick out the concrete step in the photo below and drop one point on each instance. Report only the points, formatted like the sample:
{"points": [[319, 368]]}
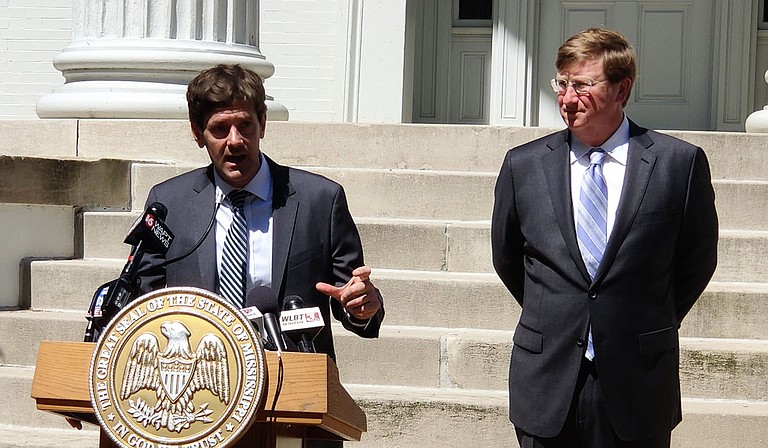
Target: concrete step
{"points": [[17, 406], [456, 419], [732, 155], [457, 196], [400, 417], [69, 284], [432, 298], [460, 246], [380, 192], [475, 359], [22, 331], [465, 247], [14, 436], [439, 357]]}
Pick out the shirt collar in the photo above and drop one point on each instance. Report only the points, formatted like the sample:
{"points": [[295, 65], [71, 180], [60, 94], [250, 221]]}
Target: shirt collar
{"points": [[617, 146], [260, 185]]}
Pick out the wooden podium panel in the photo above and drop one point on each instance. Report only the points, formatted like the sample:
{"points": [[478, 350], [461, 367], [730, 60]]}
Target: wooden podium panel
{"points": [[312, 402]]}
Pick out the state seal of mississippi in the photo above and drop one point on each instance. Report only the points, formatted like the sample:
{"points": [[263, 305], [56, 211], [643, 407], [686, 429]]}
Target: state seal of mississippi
{"points": [[177, 367]]}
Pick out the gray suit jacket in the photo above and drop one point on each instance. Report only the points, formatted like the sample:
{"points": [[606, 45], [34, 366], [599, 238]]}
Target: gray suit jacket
{"points": [[314, 239], [660, 257]]}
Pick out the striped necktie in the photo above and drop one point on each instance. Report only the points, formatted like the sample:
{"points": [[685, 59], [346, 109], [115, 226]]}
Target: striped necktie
{"points": [[591, 222], [234, 261]]}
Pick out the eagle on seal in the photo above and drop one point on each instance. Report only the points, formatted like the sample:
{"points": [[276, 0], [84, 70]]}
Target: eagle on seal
{"points": [[175, 375]]}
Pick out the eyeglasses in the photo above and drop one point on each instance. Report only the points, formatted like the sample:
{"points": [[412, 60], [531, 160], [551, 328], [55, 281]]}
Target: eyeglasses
{"points": [[580, 86]]}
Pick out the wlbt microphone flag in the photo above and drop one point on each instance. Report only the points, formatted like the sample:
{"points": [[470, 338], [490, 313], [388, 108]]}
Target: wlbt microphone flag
{"points": [[301, 324]]}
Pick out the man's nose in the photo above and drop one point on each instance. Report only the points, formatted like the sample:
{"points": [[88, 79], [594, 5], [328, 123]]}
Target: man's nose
{"points": [[234, 138], [570, 96]]}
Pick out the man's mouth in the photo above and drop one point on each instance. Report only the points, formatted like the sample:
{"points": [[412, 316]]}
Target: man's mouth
{"points": [[235, 160]]}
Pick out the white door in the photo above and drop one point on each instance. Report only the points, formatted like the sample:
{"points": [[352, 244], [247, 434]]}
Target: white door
{"points": [[674, 45], [469, 77], [452, 60]]}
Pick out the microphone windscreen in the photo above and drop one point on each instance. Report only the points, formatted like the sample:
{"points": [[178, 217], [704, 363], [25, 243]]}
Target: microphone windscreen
{"points": [[160, 210], [293, 302], [263, 298], [151, 230]]}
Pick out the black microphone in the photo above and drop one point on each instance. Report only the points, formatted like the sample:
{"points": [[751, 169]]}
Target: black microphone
{"points": [[95, 311], [149, 232], [264, 300], [301, 324]]}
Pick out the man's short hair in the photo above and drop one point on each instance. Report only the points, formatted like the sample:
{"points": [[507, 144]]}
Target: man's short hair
{"points": [[225, 85], [617, 54]]}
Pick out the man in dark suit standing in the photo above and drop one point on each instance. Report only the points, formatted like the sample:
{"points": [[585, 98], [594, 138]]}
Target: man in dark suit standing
{"points": [[259, 224], [606, 234]]}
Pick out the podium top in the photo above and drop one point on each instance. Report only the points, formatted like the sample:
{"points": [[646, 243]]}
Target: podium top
{"points": [[311, 394]]}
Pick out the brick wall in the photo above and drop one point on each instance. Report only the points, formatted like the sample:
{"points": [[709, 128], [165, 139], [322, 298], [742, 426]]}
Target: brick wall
{"points": [[32, 33], [304, 39]]}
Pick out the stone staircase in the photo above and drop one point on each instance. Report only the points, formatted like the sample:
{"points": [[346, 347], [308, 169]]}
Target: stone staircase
{"points": [[422, 198]]}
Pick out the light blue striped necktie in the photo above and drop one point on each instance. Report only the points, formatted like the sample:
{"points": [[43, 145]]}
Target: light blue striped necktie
{"points": [[234, 259], [591, 221]]}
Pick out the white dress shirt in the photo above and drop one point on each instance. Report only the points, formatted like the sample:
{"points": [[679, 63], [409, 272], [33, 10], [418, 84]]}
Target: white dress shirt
{"points": [[614, 168], [258, 217]]}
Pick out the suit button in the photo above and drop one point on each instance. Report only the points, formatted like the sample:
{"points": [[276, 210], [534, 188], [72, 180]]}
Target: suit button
{"points": [[593, 295], [580, 342]]}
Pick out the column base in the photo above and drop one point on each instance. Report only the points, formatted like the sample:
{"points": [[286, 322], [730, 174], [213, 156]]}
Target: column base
{"points": [[757, 122], [125, 99], [141, 78]]}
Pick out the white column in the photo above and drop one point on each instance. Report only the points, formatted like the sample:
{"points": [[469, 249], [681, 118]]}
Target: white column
{"points": [[758, 121], [134, 58]]}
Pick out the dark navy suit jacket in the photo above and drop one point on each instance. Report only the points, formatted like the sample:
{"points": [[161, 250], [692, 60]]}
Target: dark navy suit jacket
{"points": [[659, 258]]}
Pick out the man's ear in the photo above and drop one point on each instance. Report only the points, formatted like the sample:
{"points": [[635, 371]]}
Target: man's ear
{"points": [[263, 124], [197, 134], [625, 86]]}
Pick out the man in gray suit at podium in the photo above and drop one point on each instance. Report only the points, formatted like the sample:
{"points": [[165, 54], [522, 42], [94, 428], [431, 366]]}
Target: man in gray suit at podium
{"points": [[298, 236], [261, 224], [606, 234]]}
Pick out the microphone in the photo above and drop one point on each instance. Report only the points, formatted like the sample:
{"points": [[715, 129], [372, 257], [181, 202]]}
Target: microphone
{"points": [[261, 303], [149, 232], [301, 324], [95, 311]]}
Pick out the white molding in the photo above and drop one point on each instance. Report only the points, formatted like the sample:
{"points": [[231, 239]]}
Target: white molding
{"points": [[512, 67], [430, 85], [351, 96], [649, 92], [733, 84]]}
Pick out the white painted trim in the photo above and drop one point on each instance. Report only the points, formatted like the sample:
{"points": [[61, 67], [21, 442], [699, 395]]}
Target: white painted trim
{"points": [[512, 63], [351, 97], [733, 82]]}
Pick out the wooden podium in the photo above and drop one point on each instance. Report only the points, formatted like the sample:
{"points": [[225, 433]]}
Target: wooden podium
{"points": [[312, 403]]}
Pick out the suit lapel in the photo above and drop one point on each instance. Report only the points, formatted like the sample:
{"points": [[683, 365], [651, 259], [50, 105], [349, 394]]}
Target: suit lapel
{"points": [[557, 171], [640, 163], [205, 190], [284, 210]]}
